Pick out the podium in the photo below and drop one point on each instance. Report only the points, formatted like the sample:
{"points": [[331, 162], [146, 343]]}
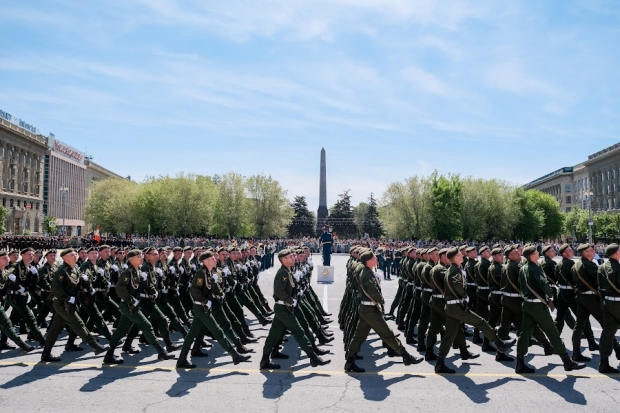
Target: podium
{"points": [[325, 274]]}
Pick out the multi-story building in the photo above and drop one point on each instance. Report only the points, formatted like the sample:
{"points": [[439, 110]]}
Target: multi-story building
{"points": [[604, 172], [22, 153], [558, 184]]}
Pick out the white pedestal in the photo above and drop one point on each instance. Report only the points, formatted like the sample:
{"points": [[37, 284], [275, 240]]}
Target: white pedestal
{"points": [[325, 273]]}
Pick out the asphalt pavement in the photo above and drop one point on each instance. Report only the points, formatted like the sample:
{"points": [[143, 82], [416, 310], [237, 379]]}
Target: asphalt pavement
{"points": [[143, 384]]}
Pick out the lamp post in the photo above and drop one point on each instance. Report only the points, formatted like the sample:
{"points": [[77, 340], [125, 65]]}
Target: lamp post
{"points": [[64, 193], [589, 194]]}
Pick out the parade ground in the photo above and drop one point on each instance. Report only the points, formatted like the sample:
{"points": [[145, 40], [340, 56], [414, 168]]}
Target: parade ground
{"points": [[143, 384]]}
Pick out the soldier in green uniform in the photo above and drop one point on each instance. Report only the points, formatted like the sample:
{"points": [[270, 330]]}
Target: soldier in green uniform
{"points": [[471, 284], [200, 291], [609, 286], [284, 317], [65, 288], [371, 316], [132, 286], [425, 296], [494, 279], [457, 311], [402, 258], [187, 273], [481, 269], [589, 302], [538, 299], [88, 273]]}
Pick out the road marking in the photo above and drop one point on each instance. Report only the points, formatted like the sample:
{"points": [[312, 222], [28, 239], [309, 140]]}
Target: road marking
{"points": [[325, 299], [304, 372]]}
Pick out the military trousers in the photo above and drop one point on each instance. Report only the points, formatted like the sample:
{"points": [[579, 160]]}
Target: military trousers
{"points": [[495, 309], [285, 320], [245, 299], [512, 313], [203, 318], [438, 322], [567, 303], [414, 312], [611, 322], [19, 304], [165, 307], [89, 307], [129, 318], [108, 307], [455, 315], [587, 305], [425, 315], [6, 327], [233, 304], [327, 254], [63, 317], [231, 327], [397, 298], [175, 301], [536, 314], [371, 318]]}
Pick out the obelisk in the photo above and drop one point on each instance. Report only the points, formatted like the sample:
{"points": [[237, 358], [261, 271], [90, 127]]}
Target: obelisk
{"points": [[322, 212]]}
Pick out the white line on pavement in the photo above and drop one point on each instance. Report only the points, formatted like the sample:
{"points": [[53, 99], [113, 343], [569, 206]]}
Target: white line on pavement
{"points": [[325, 299]]}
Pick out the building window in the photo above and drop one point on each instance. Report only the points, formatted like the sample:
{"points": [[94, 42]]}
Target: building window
{"points": [[568, 200], [11, 203], [567, 209], [568, 188]]}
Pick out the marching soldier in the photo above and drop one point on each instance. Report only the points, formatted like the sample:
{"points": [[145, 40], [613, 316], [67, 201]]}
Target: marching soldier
{"points": [[609, 282]]}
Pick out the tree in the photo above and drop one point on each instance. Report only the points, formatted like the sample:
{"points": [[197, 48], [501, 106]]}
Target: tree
{"points": [[230, 218], [359, 216], [303, 223], [405, 209], [269, 211], [372, 225], [445, 216], [4, 213], [111, 205], [576, 224], [52, 230], [341, 216]]}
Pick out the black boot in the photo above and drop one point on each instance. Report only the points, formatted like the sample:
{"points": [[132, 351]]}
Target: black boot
{"points": [[247, 340], [276, 354], [350, 365], [128, 348], [421, 346], [318, 351], [71, 346], [503, 346], [315, 360], [411, 339], [503, 357], [98, 348], [264, 321], [323, 339], [25, 347], [171, 347], [605, 368], [391, 352], [592, 344], [577, 356], [476, 339], [430, 354], [522, 368], [467, 355], [182, 362], [570, 365], [162, 354], [241, 348], [197, 351], [237, 358], [110, 358], [47, 355], [4, 345], [408, 359], [266, 364], [441, 368], [549, 350], [487, 347]]}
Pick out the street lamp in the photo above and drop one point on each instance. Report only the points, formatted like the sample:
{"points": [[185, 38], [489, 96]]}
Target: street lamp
{"points": [[589, 194], [64, 194]]}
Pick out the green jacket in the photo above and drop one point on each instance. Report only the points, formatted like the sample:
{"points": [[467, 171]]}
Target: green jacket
{"points": [[588, 271], [202, 283], [531, 274], [437, 279], [564, 273], [510, 275], [455, 284], [368, 283], [283, 286], [482, 272], [494, 276], [609, 273], [65, 283]]}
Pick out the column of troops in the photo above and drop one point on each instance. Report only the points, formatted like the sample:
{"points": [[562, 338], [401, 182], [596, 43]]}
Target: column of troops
{"points": [[123, 294], [492, 289]]}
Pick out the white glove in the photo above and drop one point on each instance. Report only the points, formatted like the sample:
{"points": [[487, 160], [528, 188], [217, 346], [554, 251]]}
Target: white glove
{"points": [[177, 289], [125, 266], [309, 259], [100, 271], [165, 290], [209, 304], [115, 267], [194, 267], [93, 292], [182, 270], [257, 277], [245, 268], [109, 285], [226, 271], [235, 284], [136, 302], [22, 290], [143, 275], [85, 277], [172, 270], [156, 294], [294, 302], [378, 276], [297, 276], [159, 271], [247, 263], [238, 266], [72, 300], [12, 277], [466, 299], [215, 277], [33, 270], [260, 264]]}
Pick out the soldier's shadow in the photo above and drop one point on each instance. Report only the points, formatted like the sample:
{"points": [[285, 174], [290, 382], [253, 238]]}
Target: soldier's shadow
{"points": [[279, 382], [564, 388], [375, 387], [41, 371], [477, 392]]}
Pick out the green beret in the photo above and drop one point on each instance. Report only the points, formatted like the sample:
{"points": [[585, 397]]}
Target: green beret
{"points": [[421, 251], [67, 251], [431, 250], [187, 249], [82, 249], [366, 256], [496, 251], [529, 250], [482, 249], [149, 249], [496, 246], [612, 249], [3, 253], [443, 251], [563, 248], [452, 252], [545, 249], [50, 252], [508, 249], [25, 250], [284, 253], [205, 255], [91, 249], [220, 249], [134, 253], [196, 249], [462, 246], [583, 247], [470, 249], [101, 248], [13, 252], [177, 249]]}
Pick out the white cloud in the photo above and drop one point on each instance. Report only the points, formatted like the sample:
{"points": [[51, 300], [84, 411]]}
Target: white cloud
{"points": [[511, 76], [425, 81]]}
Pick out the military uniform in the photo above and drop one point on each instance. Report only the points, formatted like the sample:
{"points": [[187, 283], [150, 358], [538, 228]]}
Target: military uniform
{"points": [[609, 284]]}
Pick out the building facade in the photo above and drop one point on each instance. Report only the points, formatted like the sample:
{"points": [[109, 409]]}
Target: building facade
{"points": [[22, 155], [604, 173], [558, 184]]}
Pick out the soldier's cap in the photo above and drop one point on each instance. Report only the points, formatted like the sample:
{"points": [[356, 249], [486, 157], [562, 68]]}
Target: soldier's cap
{"points": [[284, 253], [187, 249], [162, 250], [563, 248], [612, 249], [366, 256], [421, 251], [221, 249], [177, 249], [508, 249], [134, 253], [443, 251], [83, 249], [462, 246], [496, 246], [67, 251], [496, 251], [232, 249], [120, 251], [583, 247], [205, 255], [13, 252], [196, 249], [517, 246], [3, 253], [25, 250], [483, 249], [529, 250], [167, 248], [91, 249], [470, 249], [149, 249], [545, 249], [113, 249], [452, 252], [52, 251], [101, 248], [431, 250], [38, 252]]}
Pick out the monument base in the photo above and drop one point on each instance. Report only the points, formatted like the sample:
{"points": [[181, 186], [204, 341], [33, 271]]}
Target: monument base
{"points": [[325, 274]]}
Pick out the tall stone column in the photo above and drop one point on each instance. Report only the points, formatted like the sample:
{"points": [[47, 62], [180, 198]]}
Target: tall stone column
{"points": [[322, 212]]}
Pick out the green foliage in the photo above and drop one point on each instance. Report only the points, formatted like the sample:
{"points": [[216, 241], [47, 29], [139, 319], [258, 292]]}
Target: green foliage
{"points": [[4, 213], [46, 225], [341, 218], [269, 211], [405, 209], [303, 223], [576, 224], [371, 224], [446, 200]]}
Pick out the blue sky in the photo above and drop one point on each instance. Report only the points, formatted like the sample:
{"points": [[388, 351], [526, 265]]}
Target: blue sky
{"points": [[391, 88]]}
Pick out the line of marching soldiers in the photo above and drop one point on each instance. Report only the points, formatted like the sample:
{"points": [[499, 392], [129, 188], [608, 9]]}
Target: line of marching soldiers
{"points": [[148, 293], [492, 289]]}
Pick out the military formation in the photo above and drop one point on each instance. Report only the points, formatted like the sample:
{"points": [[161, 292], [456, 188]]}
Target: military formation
{"points": [[494, 290], [122, 294]]}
